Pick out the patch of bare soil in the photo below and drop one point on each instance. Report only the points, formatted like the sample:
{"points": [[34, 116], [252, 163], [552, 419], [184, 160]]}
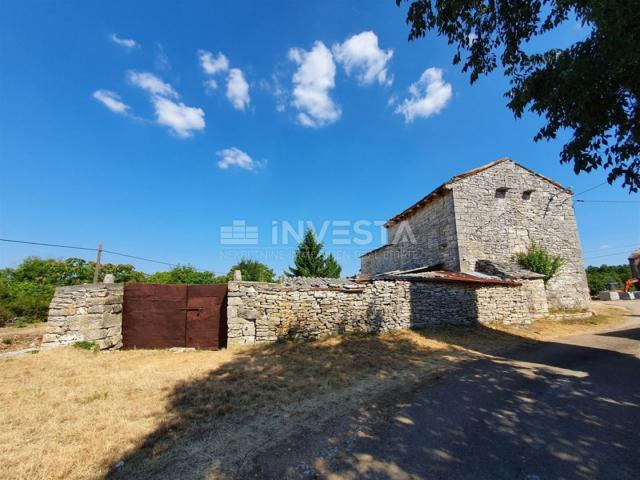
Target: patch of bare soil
{"points": [[13, 338]]}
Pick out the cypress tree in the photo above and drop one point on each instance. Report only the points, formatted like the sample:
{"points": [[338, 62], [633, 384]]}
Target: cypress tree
{"points": [[310, 262], [331, 267]]}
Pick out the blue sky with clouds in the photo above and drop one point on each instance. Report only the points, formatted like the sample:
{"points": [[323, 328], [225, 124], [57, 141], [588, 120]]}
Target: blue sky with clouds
{"points": [[150, 125]]}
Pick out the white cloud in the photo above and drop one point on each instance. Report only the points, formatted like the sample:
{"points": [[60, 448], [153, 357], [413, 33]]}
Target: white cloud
{"points": [[313, 80], [210, 85], [234, 157], [212, 65], [123, 42], [237, 89], [428, 96], [361, 56], [182, 119], [161, 61], [112, 101], [152, 84]]}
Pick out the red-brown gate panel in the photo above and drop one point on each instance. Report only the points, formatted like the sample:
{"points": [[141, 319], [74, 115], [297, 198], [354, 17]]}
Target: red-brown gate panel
{"points": [[206, 316], [153, 315], [165, 316]]}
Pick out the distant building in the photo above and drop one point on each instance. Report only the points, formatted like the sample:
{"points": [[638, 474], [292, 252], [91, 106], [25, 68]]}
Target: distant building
{"points": [[479, 220]]}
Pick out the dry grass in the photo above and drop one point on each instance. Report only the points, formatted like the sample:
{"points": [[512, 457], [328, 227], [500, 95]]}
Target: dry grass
{"points": [[70, 413], [605, 315]]}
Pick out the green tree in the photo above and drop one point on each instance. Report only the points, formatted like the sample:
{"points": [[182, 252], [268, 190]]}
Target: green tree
{"points": [[331, 267], [310, 262], [252, 271], [185, 274], [600, 277], [590, 88], [539, 260]]}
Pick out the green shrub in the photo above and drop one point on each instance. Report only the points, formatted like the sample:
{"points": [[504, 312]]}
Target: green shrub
{"points": [[7, 341], [600, 277], [539, 260], [86, 345]]}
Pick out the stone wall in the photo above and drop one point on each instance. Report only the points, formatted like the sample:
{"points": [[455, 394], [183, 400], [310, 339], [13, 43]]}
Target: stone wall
{"points": [[266, 312], [426, 238], [494, 225], [536, 297], [86, 313]]}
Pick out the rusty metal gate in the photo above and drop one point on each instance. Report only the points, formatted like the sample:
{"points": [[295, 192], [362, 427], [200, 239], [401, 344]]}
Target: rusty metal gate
{"points": [[165, 316]]}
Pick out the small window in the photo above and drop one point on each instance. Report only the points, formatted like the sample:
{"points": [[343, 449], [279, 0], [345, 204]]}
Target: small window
{"points": [[526, 195], [501, 192]]}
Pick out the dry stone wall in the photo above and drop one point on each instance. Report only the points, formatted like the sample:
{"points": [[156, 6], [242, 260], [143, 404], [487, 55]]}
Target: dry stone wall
{"points": [[86, 313], [265, 312]]}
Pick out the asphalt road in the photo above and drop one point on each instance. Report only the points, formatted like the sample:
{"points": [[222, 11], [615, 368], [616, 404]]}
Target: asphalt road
{"points": [[567, 409]]}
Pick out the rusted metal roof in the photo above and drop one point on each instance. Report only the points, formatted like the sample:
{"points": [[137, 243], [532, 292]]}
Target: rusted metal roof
{"points": [[447, 186], [445, 276]]}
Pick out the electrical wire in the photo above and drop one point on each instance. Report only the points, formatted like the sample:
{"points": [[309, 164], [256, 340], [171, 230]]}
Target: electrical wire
{"points": [[103, 251]]}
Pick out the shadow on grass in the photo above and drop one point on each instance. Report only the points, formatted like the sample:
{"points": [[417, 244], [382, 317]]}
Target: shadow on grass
{"points": [[482, 421]]}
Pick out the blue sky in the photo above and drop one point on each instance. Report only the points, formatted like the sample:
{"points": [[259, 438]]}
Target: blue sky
{"points": [[111, 129]]}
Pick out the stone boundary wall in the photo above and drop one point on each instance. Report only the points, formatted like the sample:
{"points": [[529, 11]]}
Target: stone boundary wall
{"points": [[86, 313], [536, 297], [265, 312]]}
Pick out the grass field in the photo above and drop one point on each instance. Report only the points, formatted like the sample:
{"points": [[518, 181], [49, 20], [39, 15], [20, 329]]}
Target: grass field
{"points": [[71, 413]]}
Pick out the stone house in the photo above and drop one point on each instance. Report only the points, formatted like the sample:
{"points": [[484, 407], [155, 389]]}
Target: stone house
{"points": [[478, 221]]}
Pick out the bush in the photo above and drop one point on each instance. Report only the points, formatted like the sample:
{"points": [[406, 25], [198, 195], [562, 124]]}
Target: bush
{"points": [[86, 345], [599, 278], [27, 290], [252, 271], [539, 260]]}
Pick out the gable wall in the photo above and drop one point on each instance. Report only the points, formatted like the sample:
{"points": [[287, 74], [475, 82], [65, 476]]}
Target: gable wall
{"points": [[495, 229]]}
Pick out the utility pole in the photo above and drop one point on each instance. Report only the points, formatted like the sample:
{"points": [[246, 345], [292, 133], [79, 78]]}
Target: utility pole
{"points": [[98, 257]]}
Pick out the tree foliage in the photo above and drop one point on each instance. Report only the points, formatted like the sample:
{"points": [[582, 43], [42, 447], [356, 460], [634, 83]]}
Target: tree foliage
{"points": [[310, 262], [27, 290], [599, 278], [252, 271], [590, 88], [539, 260], [185, 274]]}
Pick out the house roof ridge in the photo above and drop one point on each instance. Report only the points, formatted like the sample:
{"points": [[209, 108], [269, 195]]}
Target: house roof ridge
{"points": [[446, 185]]}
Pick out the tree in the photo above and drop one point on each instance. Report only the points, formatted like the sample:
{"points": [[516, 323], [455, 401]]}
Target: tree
{"points": [[310, 262], [539, 260], [600, 277], [590, 88], [252, 271], [331, 267], [185, 274]]}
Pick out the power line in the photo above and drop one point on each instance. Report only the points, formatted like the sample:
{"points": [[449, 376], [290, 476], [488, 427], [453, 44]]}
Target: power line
{"points": [[607, 255], [95, 250], [614, 247], [608, 201], [47, 244], [589, 189]]}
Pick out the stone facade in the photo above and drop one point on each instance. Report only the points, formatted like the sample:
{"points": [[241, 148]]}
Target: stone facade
{"points": [[265, 312], [496, 211], [86, 313], [427, 237]]}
